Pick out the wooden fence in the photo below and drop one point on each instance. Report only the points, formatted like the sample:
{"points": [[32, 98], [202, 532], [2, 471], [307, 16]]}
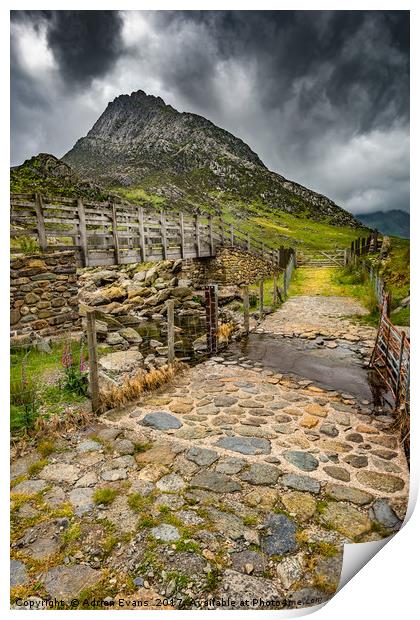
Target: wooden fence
{"points": [[321, 258], [391, 359], [391, 353], [363, 245], [112, 233]]}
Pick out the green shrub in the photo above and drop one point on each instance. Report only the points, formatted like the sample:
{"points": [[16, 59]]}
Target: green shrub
{"points": [[105, 496]]}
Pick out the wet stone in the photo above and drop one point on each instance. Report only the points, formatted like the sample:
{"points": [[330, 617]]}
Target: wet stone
{"points": [[161, 420], [339, 473], [281, 536], [348, 494], [245, 445], [214, 481], [202, 456], [258, 473], [301, 483], [302, 460]]}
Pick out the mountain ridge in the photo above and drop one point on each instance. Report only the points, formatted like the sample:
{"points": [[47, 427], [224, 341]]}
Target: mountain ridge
{"points": [[394, 222]]}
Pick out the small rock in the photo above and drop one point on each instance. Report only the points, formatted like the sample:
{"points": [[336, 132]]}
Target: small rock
{"points": [[202, 456], [281, 536], [165, 533], [161, 420], [302, 460]]}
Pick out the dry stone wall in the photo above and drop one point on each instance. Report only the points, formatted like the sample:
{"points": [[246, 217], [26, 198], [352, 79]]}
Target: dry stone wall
{"points": [[230, 266], [43, 293]]}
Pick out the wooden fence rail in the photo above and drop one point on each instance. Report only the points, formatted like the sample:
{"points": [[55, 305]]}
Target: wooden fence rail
{"points": [[111, 233]]}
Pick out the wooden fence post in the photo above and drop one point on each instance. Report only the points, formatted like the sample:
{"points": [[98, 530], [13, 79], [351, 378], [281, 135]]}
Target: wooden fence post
{"points": [[197, 236], [211, 242], [93, 360], [231, 235], [115, 234], [171, 330], [211, 318], [42, 236], [261, 298], [140, 213], [375, 240], [83, 232], [163, 235], [397, 387], [246, 308], [274, 288], [182, 233]]}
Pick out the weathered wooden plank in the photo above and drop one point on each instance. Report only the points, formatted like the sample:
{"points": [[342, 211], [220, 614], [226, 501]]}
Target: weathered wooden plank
{"points": [[115, 235], [82, 232], [42, 237]]}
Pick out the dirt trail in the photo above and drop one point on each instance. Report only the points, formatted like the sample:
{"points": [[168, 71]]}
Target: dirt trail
{"points": [[236, 481]]}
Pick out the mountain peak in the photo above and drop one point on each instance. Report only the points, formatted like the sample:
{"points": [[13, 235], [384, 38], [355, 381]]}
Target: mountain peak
{"points": [[142, 143]]}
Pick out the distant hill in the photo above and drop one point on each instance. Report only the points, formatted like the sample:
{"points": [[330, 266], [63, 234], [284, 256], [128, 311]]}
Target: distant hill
{"points": [[48, 175], [395, 223]]}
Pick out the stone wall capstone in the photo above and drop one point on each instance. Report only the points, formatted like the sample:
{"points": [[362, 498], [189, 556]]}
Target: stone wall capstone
{"points": [[43, 291], [229, 266]]}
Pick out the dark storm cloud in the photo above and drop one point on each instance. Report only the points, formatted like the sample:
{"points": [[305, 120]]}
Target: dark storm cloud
{"points": [[85, 44], [321, 96]]}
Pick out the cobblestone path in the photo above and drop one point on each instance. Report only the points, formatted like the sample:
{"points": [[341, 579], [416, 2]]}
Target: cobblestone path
{"points": [[234, 483]]}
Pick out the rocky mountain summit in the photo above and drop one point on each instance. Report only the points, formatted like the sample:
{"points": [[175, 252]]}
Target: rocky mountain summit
{"points": [[148, 149]]}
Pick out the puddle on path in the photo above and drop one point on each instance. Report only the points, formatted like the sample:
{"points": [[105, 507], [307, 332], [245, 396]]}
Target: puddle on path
{"points": [[338, 369]]}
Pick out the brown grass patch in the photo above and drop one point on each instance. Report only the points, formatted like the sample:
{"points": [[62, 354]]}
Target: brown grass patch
{"points": [[225, 331], [141, 382]]}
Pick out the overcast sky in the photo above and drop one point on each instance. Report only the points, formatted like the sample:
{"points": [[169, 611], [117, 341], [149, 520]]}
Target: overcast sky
{"points": [[322, 97]]}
